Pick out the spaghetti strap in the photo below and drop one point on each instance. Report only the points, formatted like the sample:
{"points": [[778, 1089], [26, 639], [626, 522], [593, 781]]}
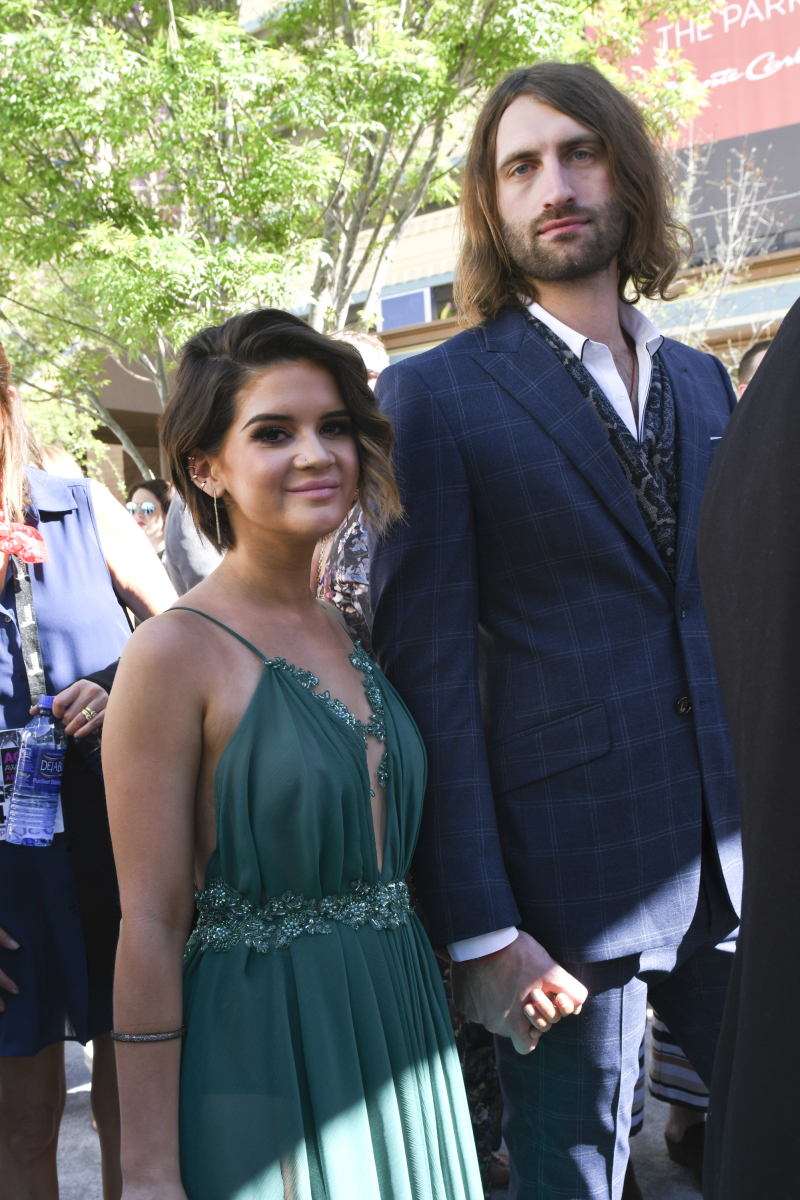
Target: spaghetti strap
{"points": [[232, 632]]}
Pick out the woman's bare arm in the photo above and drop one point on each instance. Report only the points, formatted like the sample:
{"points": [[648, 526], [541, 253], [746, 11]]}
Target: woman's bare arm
{"points": [[152, 746], [140, 581]]}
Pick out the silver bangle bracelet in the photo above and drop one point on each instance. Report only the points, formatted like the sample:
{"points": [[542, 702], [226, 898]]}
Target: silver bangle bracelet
{"points": [[148, 1037]]}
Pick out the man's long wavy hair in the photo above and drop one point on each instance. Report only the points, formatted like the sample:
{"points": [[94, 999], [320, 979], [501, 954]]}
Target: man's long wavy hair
{"points": [[487, 281]]}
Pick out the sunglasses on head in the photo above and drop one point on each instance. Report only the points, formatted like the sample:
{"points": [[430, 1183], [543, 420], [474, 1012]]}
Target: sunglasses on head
{"points": [[147, 508]]}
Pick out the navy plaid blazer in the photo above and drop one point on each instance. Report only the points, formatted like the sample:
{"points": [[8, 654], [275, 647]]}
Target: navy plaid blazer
{"points": [[523, 613]]}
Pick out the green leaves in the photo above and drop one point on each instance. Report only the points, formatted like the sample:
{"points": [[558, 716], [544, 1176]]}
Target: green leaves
{"points": [[157, 176], [149, 187]]}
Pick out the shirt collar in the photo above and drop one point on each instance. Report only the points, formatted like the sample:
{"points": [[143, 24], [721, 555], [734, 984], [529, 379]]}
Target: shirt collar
{"points": [[632, 320]]}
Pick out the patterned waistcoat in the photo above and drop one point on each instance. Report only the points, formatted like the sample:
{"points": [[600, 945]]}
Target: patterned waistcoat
{"points": [[650, 466]]}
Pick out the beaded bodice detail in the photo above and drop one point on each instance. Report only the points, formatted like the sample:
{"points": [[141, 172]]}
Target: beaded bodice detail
{"points": [[226, 918], [375, 727]]}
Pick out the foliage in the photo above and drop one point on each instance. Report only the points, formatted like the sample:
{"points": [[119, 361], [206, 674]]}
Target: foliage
{"points": [[151, 183], [161, 168], [54, 423]]}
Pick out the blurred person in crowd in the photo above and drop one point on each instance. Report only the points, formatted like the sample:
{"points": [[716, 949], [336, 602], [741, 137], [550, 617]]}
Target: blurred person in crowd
{"points": [[673, 1080], [300, 1042], [539, 611], [190, 556], [371, 348], [750, 362], [64, 626], [58, 461], [749, 558], [148, 504]]}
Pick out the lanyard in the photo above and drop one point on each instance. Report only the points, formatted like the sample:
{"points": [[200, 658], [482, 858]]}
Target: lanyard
{"points": [[88, 746], [28, 630]]}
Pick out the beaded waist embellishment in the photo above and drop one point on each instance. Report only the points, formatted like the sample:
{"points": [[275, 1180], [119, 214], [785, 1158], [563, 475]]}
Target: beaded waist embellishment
{"points": [[226, 918]]}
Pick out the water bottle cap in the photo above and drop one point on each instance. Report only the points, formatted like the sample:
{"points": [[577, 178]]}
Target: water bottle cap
{"points": [[45, 702]]}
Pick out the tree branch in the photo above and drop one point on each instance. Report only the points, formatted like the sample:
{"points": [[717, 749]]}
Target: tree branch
{"points": [[401, 224], [116, 428]]}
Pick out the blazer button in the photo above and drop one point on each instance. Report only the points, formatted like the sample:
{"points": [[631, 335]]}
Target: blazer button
{"points": [[684, 706]]}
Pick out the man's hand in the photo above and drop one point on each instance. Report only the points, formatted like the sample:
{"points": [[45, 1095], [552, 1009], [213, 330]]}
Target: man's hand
{"points": [[7, 984], [518, 994], [69, 705]]}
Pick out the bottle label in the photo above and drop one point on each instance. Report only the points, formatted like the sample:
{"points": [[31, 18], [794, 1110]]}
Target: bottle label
{"points": [[33, 811], [51, 768], [40, 769]]}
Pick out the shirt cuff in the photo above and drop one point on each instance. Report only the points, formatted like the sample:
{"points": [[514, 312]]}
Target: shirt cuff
{"points": [[484, 943]]}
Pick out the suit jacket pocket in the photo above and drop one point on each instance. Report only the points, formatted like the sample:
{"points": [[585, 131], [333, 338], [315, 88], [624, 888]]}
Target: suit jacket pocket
{"points": [[550, 748]]}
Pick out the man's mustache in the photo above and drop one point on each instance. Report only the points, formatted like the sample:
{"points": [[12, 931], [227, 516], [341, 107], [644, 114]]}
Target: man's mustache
{"points": [[574, 211]]}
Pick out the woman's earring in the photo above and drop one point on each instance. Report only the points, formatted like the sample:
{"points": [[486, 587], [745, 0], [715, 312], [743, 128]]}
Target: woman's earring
{"points": [[216, 518]]}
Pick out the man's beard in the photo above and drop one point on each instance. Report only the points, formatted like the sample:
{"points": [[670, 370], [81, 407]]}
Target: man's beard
{"points": [[572, 256]]}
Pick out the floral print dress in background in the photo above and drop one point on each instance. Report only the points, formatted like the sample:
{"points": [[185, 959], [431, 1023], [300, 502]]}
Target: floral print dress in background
{"points": [[345, 581]]}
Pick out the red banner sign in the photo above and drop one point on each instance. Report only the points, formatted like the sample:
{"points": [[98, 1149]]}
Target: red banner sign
{"points": [[748, 55]]}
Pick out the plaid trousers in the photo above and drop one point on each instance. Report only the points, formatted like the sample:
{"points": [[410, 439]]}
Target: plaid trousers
{"points": [[568, 1104]]}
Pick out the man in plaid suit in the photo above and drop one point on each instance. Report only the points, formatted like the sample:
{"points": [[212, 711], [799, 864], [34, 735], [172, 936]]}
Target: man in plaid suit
{"points": [[539, 610]]}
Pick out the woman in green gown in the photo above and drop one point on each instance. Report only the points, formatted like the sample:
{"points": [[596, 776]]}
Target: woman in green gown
{"points": [[254, 753]]}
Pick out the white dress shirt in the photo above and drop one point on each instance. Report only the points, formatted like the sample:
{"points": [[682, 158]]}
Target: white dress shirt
{"points": [[599, 362]]}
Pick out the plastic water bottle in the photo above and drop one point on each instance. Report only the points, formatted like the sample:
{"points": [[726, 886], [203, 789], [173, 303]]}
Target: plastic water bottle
{"points": [[33, 807]]}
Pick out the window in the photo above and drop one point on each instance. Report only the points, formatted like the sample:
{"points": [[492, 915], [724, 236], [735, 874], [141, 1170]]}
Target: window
{"points": [[407, 308]]}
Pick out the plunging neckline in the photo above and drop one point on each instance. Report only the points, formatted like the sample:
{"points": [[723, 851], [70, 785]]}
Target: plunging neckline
{"points": [[308, 681]]}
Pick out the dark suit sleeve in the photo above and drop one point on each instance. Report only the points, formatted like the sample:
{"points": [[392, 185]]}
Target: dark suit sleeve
{"points": [[424, 589]]}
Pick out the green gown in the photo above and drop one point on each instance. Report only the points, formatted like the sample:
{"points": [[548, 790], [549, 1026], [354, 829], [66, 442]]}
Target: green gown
{"points": [[319, 1061]]}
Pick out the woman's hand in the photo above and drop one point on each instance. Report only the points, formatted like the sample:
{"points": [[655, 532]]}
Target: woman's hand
{"points": [[69, 705], [7, 984]]}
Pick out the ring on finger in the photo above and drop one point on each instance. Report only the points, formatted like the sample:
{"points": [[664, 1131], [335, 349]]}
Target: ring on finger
{"points": [[89, 713]]}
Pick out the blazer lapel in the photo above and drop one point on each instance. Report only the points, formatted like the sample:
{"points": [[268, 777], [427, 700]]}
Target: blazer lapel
{"points": [[694, 457], [529, 371]]}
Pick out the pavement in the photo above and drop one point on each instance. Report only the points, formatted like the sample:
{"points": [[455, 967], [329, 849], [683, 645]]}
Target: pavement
{"points": [[657, 1176], [79, 1149]]}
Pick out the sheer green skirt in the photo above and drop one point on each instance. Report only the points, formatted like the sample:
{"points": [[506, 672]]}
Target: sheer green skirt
{"points": [[323, 1071]]}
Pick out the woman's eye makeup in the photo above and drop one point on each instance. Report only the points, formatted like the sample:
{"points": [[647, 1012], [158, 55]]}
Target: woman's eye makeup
{"points": [[337, 427], [274, 434]]}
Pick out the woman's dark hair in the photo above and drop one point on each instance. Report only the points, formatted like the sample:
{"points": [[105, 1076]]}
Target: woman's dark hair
{"points": [[217, 363], [488, 282], [156, 487]]}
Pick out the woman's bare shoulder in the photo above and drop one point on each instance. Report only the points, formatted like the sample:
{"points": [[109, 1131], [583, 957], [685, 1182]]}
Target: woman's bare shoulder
{"points": [[166, 646]]}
